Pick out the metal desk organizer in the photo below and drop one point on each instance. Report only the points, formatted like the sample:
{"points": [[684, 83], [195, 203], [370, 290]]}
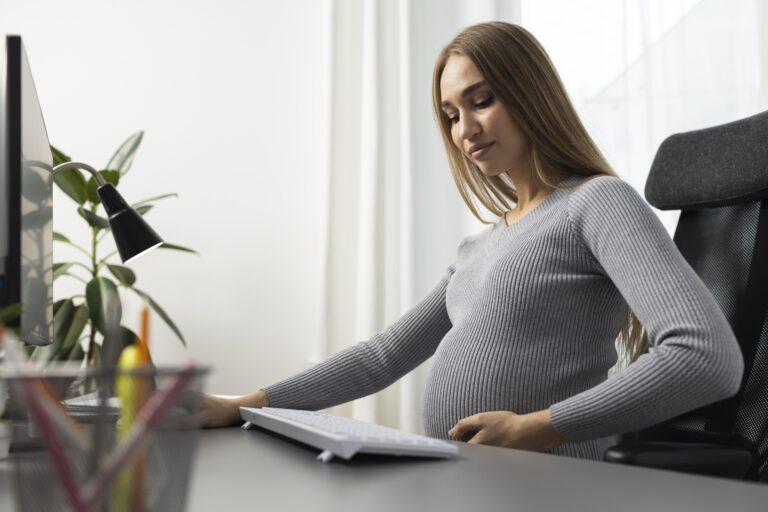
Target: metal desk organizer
{"points": [[67, 453]]}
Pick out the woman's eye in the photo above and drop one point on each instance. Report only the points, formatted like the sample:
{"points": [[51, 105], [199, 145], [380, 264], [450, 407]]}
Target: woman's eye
{"points": [[453, 119], [484, 103]]}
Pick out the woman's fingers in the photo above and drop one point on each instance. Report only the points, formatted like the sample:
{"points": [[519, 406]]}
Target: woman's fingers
{"points": [[479, 438], [465, 426], [532, 431]]}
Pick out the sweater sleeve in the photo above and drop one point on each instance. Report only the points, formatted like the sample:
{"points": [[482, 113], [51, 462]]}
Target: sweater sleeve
{"points": [[371, 365], [694, 359]]}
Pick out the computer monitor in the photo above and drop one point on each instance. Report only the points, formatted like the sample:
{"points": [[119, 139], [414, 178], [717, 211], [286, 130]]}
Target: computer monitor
{"points": [[26, 203]]}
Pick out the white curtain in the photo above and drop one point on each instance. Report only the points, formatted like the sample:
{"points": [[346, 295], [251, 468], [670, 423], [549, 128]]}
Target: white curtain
{"points": [[637, 70], [394, 218]]}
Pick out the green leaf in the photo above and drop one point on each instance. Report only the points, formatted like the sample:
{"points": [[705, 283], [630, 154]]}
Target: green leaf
{"points": [[60, 269], [72, 334], [58, 304], [58, 237], [11, 312], [72, 183], [176, 248], [62, 320], [92, 219], [123, 274], [123, 158], [76, 354], [154, 305], [113, 346], [58, 156], [152, 199], [127, 336], [91, 187], [143, 208], [104, 304]]}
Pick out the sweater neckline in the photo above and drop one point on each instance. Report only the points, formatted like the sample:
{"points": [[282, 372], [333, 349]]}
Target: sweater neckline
{"points": [[540, 209]]}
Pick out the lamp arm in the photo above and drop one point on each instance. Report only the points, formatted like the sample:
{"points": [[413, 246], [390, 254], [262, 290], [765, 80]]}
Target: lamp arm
{"points": [[79, 165], [133, 236]]}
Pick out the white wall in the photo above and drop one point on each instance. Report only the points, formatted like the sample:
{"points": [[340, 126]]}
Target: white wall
{"points": [[230, 96]]}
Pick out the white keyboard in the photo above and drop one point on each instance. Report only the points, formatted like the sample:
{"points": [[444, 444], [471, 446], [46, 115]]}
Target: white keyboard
{"points": [[91, 403], [344, 437]]}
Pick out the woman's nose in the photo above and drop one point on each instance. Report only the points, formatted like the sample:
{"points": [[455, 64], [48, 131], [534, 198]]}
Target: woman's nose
{"points": [[469, 127]]}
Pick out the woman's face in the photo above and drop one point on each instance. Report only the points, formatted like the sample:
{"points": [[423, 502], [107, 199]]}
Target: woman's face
{"points": [[480, 125]]}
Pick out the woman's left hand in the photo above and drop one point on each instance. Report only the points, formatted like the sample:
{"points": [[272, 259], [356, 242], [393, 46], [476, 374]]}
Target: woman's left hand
{"points": [[532, 431]]}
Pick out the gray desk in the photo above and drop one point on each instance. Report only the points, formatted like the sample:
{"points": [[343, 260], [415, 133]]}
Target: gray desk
{"points": [[254, 470]]}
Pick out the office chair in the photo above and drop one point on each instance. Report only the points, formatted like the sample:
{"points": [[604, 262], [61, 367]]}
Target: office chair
{"points": [[718, 178]]}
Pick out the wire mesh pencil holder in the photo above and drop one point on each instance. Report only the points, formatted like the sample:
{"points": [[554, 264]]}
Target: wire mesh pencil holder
{"points": [[105, 440]]}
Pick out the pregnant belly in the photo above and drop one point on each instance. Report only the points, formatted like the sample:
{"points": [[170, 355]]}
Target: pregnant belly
{"points": [[469, 376]]}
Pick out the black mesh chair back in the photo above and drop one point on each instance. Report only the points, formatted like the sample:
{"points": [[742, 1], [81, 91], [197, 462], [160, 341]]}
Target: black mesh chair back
{"points": [[718, 178]]}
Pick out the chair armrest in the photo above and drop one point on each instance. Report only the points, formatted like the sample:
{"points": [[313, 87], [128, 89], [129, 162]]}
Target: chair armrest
{"points": [[698, 458]]}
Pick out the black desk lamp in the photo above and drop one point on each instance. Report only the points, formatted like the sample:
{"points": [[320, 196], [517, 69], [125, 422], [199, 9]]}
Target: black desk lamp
{"points": [[132, 234]]}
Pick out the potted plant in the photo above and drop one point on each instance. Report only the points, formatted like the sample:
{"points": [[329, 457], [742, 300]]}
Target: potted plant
{"points": [[81, 322]]}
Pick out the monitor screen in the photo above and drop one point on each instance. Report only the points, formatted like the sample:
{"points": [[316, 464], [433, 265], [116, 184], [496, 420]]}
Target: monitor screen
{"points": [[26, 207]]}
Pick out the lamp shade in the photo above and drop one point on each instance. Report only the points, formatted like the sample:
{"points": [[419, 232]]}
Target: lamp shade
{"points": [[133, 236]]}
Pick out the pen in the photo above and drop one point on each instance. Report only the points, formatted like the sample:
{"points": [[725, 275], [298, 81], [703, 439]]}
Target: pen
{"points": [[138, 491], [125, 390], [133, 390]]}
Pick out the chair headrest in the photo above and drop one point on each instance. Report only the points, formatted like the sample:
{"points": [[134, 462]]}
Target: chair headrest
{"points": [[718, 166]]}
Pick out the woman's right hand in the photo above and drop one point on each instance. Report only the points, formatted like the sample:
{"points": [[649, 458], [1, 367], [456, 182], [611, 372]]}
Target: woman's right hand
{"points": [[216, 411]]}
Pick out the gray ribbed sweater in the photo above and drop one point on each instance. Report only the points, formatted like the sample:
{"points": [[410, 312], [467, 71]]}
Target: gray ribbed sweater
{"points": [[526, 319]]}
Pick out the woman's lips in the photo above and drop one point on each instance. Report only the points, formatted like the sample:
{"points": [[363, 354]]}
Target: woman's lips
{"points": [[480, 152]]}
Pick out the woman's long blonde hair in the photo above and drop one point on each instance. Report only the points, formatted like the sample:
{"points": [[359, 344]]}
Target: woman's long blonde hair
{"points": [[521, 76]]}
